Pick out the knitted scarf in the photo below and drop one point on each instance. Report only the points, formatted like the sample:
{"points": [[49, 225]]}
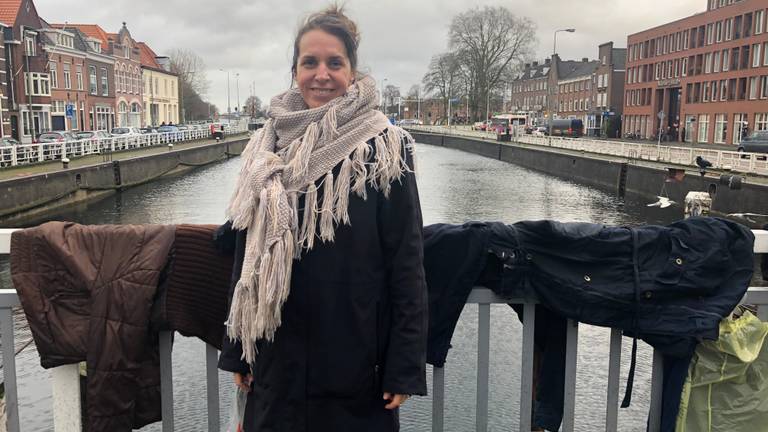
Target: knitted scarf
{"points": [[295, 149]]}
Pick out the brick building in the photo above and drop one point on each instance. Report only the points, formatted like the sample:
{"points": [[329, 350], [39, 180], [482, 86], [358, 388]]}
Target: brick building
{"points": [[26, 83], [530, 92], [708, 73], [575, 89], [97, 110], [608, 92], [66, 69]]}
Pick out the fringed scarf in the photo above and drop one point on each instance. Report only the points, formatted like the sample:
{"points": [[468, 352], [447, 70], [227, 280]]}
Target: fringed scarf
{"points": [[296, 148]]}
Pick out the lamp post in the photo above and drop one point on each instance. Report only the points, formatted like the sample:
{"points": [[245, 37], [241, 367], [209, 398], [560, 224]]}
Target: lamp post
{"points": [[383, 101], [229, 106], [553, 67], [238, 108]]}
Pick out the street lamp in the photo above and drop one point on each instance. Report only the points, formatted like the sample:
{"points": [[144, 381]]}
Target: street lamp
{"points": [[383, 101], [238, 108], [229, 106], [553, 67]]}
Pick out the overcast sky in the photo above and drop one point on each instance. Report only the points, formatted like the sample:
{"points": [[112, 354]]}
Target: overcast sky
{"points": [[254, 37]]}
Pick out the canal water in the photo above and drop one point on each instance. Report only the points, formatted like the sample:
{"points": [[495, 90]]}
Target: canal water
{"points": [[455, 187]]}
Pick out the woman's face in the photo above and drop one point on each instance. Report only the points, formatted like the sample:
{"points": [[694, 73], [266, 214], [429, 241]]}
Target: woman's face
{"points": [[323, 71]]}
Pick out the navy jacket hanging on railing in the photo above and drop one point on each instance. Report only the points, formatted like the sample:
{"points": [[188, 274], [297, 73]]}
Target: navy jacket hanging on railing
{"points": [[667, 285]]}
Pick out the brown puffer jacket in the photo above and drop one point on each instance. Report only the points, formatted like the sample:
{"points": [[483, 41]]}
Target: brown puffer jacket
{"points": [[87, 292]]}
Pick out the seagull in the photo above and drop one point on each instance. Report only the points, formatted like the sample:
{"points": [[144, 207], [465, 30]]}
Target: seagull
{"points": [[663, 202], [703, 164]]}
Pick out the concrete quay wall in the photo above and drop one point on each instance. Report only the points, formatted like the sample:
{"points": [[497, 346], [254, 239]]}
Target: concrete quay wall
{"points": [[607, 174], [27, 199]]}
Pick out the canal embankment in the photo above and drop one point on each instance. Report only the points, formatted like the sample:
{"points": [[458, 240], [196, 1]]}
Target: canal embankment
{"points": [[618, 175], [31, 192]]}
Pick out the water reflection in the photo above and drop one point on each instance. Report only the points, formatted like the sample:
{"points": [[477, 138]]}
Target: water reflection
{"points": [[455, 187]]}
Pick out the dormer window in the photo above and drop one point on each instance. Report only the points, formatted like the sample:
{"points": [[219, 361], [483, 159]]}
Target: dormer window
{"points": [[126, 52], [29, 44], [96, 46]]}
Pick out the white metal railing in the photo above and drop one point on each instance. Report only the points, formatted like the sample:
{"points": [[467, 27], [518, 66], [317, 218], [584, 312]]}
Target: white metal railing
{"points": [[742, 162], [66, 384], [24, 154]]}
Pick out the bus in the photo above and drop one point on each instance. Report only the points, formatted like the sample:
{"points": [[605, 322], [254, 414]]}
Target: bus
{"points": [[503, 124]]}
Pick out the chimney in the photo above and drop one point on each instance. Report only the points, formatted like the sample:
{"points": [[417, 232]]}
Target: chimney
{"points": [[547, 62], [535, 64], [585, 59]]}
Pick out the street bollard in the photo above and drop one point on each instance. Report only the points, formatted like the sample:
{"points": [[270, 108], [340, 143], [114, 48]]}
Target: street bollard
{"points": [[65, 163], [170, 146]]}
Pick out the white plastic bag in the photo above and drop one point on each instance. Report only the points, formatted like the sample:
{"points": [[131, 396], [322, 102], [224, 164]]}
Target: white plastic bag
{"points": [[237, 411]]}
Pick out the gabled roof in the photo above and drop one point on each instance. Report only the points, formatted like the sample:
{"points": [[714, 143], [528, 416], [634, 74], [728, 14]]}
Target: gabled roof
{"points": [[9, 10], [148, 56], [90, 30]]}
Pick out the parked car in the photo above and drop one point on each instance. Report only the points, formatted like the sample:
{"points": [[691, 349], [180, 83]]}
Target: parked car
{"points": [[8, 141], [55, 136], [218, 130], [409, 122], [126, 131], [756, 142], [566, 127], [148, 130], [92, 135], [539, 131], [480, 126], [170, 133]]}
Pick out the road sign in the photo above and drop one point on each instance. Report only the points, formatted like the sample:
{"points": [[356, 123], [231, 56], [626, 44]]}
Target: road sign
{"points": [[661, 115], [70, 110]]}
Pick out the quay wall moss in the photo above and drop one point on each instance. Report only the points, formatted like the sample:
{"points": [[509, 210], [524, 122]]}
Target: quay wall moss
{"points": [[589, 169], [31, 198]]}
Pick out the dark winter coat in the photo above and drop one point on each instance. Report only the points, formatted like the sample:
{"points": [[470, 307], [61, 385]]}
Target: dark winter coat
{"points": [[354, 325]]}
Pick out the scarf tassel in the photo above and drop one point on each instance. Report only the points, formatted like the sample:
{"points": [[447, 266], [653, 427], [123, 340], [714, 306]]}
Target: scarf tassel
{"points": [[309, 222], [341, 193], [360, 172], [326, 212]]}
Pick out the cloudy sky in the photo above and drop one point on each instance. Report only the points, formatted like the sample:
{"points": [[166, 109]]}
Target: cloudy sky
{"points": [[254, 37]]}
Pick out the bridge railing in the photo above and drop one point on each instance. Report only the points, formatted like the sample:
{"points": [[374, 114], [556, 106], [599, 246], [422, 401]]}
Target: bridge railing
{"points": [[24, 154], [742, 162], [66, 379]]}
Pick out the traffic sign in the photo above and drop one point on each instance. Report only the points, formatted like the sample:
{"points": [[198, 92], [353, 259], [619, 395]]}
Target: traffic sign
{"points": [[70, 110]]}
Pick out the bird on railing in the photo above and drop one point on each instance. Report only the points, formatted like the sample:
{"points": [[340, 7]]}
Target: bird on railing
{"points": [[703, 164], [663, 202]]}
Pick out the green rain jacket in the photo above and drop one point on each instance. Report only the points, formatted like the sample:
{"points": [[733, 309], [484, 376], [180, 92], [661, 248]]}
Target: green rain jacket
{"points": [[727, 384]]}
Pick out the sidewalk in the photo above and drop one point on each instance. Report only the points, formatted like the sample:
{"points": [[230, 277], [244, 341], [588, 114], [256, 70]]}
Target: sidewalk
{"points": [[54, 166]]}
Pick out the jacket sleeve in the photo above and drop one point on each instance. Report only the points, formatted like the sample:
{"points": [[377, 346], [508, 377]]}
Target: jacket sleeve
{"points": [[232, 351], [400, 228]]}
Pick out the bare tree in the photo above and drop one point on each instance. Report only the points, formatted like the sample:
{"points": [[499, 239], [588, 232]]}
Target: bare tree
{"points": [[486, 43], [390, 95], [253, 107], [414, 92], [193, 82], [442, 78]]}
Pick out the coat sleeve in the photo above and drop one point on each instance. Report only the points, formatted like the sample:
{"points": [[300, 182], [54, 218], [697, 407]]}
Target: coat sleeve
{"points": [[400, 228], [232, 351]]}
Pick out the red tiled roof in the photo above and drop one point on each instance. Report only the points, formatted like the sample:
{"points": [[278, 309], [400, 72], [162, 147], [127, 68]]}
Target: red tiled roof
{"points": [[90, 30], [148, 56], [9, 9]]}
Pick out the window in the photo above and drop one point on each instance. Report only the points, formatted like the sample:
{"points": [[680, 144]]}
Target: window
{"points": [[764, 87], [714, 91], [126, 52], [737, 27], [685, 66], [104, 82], [729, 29], [705, 96], [753, 88], [37, 84], [54, 74], [697, 93], [721, 128], [719, 31], [67, 77], [29, 45], [739, 127], [92, 81], [756, 55], [79, 77], [658, 71], [765, 54], [723, 90], [710, 34], [703, 127], [748, 25], [726, 60], [759, 22], [716, 61], [708, 63], [761, 121]]}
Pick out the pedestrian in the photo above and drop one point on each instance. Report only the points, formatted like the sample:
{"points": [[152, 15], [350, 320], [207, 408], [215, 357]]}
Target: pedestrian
{"points": [[327, 323], [162, 124]]}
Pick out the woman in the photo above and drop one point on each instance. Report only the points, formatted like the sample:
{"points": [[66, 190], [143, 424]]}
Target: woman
{"points": [[327, 325]]}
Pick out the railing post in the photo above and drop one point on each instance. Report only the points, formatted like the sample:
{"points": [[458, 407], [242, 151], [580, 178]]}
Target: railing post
{"points": [[483, 364], [9, 370], [438, 399], [212, 387], [67, 404], [657, 384], [166, 380], [614, 375], [571, 358], [526, 375]]}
